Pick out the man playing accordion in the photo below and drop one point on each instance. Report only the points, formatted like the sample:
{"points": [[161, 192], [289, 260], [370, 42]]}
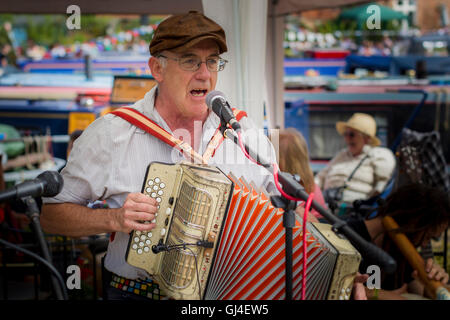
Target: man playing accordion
{"points": [[109, 160]]}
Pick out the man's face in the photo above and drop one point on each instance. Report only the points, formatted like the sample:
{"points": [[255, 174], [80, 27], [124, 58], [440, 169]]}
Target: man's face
{"points": [[187, 90]]}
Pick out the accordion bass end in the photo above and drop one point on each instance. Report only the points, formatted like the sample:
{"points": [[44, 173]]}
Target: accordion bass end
{"points": [[223, 239], [346, 266]]}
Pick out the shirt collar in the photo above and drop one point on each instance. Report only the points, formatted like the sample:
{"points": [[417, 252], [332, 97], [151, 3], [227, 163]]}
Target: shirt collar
{"points": [[365, 151]]}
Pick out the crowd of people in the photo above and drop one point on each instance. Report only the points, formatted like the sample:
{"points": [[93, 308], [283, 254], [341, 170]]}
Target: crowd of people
{"points": [[12, 51], [384, 47]]}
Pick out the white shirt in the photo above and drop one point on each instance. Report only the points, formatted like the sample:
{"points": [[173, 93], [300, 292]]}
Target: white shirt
{"points": [[109, 160]]}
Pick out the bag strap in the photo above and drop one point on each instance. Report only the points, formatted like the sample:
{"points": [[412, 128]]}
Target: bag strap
{"points": [[354, 170], [143, 122]]}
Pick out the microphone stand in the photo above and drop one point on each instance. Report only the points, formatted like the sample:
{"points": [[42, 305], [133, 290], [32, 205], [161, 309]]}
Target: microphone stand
{"points": [[371, 252], [32, 213], [288, 207]]}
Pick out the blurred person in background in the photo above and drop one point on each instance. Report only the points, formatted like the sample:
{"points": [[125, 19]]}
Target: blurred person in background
{"points": [[294, 159], [361, 170]]}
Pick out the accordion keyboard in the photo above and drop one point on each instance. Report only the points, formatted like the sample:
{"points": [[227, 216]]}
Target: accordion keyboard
{"points": [[192, 201], [158, 184]]}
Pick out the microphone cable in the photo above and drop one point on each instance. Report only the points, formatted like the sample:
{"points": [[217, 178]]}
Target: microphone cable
{"points": [[43, 261]]}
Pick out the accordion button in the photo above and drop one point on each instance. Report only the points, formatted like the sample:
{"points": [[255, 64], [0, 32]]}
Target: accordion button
{"points": [[155, 188], [150, 182], [153, 195], [146, 249], [160, 192], [136, 239], [157, 180], [139, 251], [158, 199], [168, 211], [148, 190], [148, 242], [162, 185], [138, 233], [149, 234], [143, 237], [163, 231], [134, 246]]}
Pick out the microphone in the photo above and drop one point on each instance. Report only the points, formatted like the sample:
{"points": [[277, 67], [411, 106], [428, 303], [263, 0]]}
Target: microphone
{"points": [[47, 184], [215, 100]]}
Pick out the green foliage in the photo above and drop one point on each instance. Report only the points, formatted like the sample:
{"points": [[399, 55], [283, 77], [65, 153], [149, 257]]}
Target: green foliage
{"points": [[331, 26], [45, 32], [50, 29]]}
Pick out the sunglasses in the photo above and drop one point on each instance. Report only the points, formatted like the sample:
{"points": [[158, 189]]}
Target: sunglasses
{"points": [[349, 134]]}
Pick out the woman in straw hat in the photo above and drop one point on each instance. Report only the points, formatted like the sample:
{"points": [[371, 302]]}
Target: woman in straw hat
{"points": [[361, 170]]}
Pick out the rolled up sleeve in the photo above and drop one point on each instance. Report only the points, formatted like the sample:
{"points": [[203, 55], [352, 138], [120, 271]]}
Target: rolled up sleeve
{"points": [[88, 168]]}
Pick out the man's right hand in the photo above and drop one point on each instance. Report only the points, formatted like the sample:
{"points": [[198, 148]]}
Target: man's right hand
{"points": [[136, 213]]}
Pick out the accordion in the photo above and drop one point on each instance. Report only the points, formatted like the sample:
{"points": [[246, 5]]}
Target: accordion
{"points": [[223, 239]]}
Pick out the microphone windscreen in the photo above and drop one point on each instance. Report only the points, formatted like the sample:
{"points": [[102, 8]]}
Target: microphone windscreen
{"points": [[210, 97], [53, 183]]}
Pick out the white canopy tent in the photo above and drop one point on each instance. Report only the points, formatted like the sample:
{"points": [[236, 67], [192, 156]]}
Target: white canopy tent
{"points": [[243, 80], [255, 33]]}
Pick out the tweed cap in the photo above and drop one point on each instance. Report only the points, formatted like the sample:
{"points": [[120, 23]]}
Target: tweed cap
{"points": [[186, 30]]}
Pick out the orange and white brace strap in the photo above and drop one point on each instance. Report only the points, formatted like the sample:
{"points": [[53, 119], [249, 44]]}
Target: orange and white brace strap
{"points": [[143, 122]]}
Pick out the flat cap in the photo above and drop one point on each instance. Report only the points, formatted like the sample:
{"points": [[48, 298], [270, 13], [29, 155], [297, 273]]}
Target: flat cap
{"points": [[186, 30]]}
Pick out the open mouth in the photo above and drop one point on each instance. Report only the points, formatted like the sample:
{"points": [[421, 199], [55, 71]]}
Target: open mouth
{"points": [[199, 92]]}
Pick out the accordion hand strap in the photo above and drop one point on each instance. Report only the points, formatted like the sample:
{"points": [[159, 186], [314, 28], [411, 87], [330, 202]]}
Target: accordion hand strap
{"points": [[143, 122]]}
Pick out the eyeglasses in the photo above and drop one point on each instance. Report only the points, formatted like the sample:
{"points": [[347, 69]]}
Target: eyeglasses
{"points": [[193, 63]]}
